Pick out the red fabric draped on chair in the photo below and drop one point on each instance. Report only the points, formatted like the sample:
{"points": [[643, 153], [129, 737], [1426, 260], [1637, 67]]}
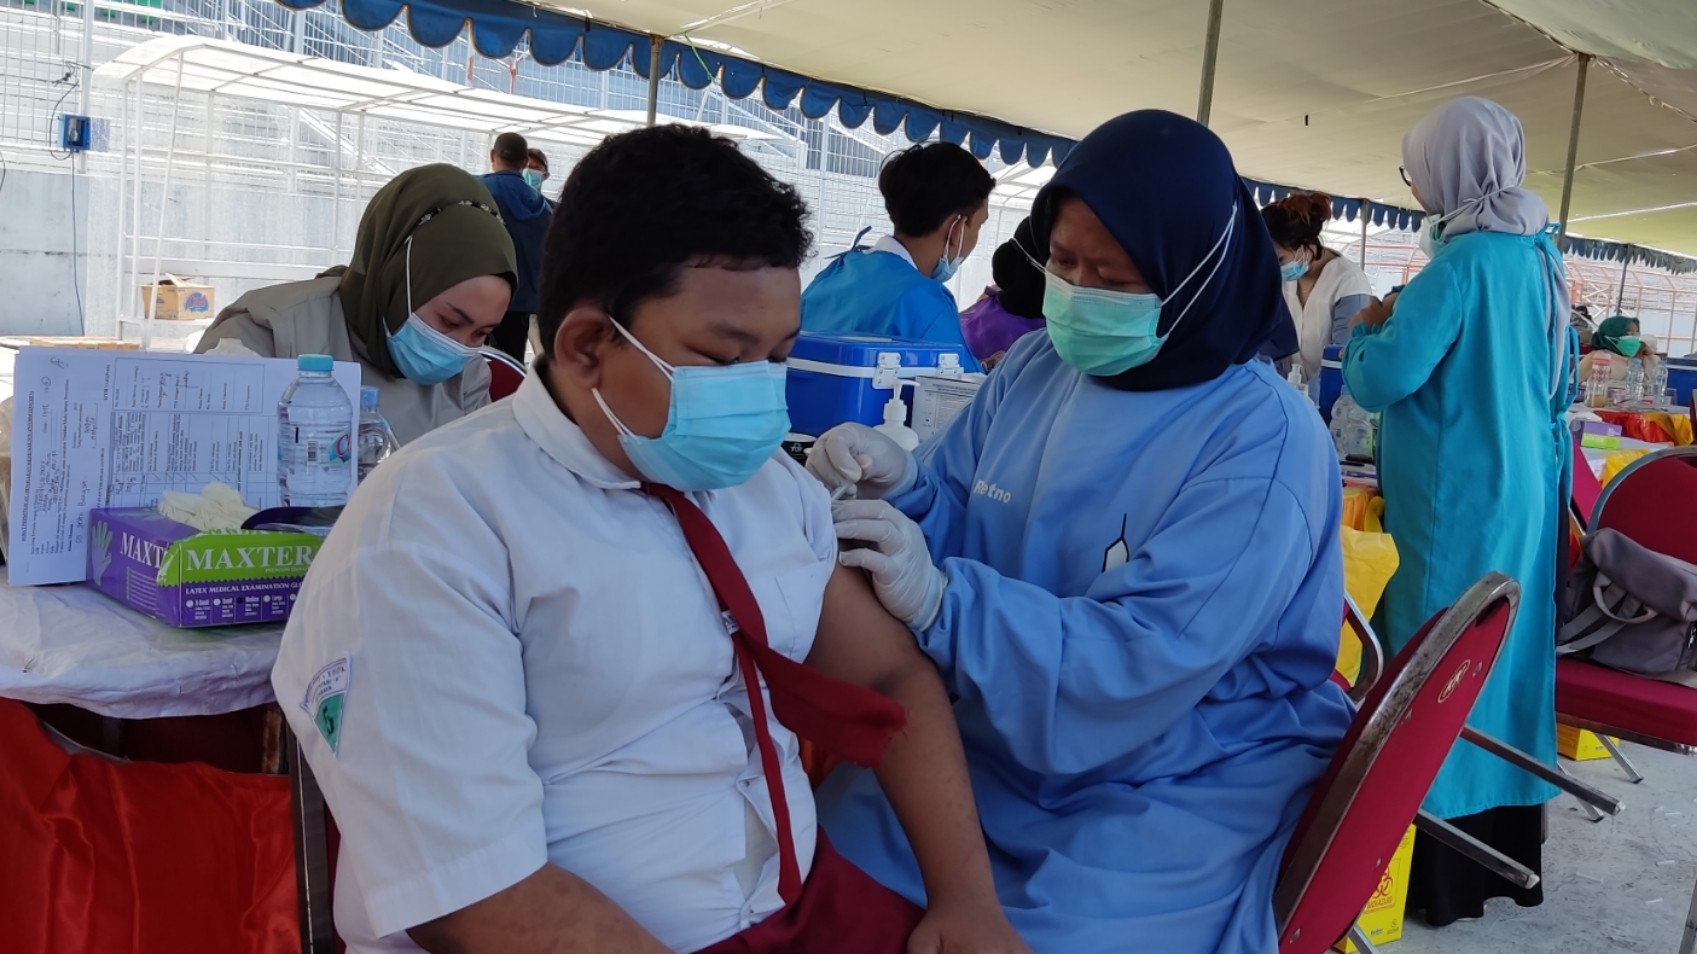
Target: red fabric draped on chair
{"points": [[137, 857]]}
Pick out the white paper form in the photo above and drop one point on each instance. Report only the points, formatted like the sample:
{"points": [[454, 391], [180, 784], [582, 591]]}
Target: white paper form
{"points": [[936, 401], [117, 429]]}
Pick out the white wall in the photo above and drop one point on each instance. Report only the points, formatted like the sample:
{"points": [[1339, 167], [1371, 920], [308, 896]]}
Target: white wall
{"points": [[40, 245]]}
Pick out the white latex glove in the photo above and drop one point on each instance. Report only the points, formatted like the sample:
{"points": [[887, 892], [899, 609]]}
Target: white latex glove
{"points": [[908, 584], [858, 456]]}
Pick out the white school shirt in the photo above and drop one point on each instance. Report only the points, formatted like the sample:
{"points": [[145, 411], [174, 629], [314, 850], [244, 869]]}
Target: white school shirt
{"points": [[539, 672]]}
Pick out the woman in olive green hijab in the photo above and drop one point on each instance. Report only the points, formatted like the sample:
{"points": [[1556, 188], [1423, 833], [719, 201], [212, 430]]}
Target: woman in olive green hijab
{"points": [[432, 273]]}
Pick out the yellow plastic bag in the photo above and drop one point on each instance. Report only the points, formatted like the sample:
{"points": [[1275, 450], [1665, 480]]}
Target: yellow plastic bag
{"points": [[1619, 461], [1369, 561]]}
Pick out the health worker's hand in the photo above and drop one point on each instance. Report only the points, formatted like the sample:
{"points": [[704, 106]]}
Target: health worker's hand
{"points": [[858, 456], [948, 929], [908, 584]]}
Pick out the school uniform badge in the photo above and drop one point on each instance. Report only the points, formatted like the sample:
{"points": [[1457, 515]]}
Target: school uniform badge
{"points": [[325, 698]]}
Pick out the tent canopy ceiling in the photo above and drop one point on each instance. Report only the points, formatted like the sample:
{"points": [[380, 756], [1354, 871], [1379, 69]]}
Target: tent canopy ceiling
{"points": [[245, 72], [1311, 93]]}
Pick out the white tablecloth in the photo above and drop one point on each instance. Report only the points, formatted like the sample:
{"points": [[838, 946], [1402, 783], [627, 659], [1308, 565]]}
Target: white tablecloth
{"points": [[74, 645]]}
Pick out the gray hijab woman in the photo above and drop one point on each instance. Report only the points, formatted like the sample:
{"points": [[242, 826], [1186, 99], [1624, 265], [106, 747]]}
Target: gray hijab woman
{"points": [[1470, 375]]}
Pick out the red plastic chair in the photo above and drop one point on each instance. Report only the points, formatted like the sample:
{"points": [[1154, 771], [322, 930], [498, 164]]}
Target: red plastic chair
{"points": [[1387, 761], [1587, 489], [1654, 502], [505, 375]]}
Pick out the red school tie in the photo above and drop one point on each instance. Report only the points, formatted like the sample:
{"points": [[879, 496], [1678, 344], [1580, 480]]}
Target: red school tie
{"points": [[848, 720]]}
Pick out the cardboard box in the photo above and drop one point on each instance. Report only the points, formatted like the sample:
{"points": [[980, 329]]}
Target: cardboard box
{"points": [[1580, 745], [1382, 919], [188, 578], [95, 344], [178, 300]]}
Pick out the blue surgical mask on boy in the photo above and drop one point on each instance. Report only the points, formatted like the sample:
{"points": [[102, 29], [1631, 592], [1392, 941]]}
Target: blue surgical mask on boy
{"points": [[421, 353], [722, 425], [948, 265], [1103, 332], [533, 178]]}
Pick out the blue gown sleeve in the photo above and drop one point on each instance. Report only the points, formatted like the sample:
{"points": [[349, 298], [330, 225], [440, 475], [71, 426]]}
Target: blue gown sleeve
{"points": [[1384, 365], [1343, 311], [1074, 683]]}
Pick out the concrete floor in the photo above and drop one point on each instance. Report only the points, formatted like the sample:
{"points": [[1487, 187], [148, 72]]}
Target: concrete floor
{"points": [[1622, 884]]}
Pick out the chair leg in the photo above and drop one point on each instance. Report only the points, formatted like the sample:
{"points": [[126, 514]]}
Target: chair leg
{"points": [[1476, 851], [1688, 943], [1554, 775], [1620, 759], [312, 862], [1358, 937]]}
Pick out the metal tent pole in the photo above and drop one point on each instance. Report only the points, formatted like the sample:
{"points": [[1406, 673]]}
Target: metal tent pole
{"points": [[1625, 263], [1363, 214], [1573, 139], [654, 44], [1210, 60]]}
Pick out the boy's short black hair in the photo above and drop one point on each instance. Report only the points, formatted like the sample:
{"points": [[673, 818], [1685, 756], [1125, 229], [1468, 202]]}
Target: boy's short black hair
{"points": [[925, 185], [643, 204], [511, 148]]}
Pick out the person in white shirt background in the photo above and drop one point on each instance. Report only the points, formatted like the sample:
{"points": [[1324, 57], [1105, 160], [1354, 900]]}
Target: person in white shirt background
{"points": [[509, 668], [1323, 290]]}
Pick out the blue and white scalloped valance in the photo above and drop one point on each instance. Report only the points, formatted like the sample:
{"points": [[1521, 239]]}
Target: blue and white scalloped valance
{"points": [[498, 26]]}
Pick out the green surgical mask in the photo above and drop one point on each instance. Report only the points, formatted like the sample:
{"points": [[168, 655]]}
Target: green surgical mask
{"points": [[1629, 345]]}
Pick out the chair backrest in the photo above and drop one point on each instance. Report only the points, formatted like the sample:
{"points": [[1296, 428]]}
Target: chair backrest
{"points": [[1587, 489], [1654, 502], [1372, 654], [505, 375], [1386, 763]]}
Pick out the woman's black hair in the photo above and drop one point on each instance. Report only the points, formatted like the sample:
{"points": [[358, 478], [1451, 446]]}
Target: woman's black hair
{"points": [[924, 185], [642, 205], [1021, 281], [1295, 221]]}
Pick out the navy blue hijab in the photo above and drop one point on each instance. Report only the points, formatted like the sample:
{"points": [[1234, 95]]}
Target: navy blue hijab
{"points": [[1165, 187]]}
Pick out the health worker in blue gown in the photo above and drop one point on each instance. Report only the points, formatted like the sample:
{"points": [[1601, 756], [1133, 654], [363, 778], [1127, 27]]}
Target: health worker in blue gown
{"points": [[1124, 558], [1471, 373], [938, 198]]}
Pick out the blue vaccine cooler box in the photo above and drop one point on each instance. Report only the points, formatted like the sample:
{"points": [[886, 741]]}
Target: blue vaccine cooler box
{"points": [[1682, 377], [831, 377]]}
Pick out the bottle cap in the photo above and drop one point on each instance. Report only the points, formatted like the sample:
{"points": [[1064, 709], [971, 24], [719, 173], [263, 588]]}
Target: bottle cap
{"points": [[316, 363], [368, 397]]}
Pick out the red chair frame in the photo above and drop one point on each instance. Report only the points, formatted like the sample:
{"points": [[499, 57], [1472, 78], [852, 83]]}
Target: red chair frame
{"points": [[505, 374], [1619, 704], [1344, 839]]}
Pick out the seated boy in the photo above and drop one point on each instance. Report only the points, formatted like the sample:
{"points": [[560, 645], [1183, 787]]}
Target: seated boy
{"points": [[520, 667]]}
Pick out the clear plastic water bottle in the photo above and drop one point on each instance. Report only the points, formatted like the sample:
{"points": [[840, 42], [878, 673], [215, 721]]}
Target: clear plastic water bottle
{"points": [[315, 437], [1354, 430], [1635, 382], [1656, 392], [376, 440], [1597, 389]]}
